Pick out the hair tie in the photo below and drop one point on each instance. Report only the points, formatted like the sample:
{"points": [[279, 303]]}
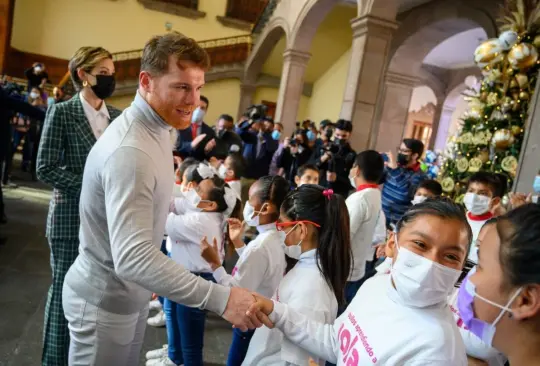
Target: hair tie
{"points": [[328, 193]]}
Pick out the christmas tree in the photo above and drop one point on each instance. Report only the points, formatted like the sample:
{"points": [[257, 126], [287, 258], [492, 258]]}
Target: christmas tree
{"points": [[492, 129]]}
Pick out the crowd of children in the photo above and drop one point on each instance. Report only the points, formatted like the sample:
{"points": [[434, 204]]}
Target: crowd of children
{"points": [[331, 304]]}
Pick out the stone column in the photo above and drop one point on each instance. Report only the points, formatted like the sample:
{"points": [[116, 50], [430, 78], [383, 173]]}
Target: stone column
{"points": [[441, 134], [291, 87], [247, 91], [529, 160], [393, 111], [436, 123], [369, 53]]}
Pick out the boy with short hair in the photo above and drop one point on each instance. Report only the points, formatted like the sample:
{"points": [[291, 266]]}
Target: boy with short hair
{"points": [[427, 189], [484, 193], [307, 174], [364, 211]]}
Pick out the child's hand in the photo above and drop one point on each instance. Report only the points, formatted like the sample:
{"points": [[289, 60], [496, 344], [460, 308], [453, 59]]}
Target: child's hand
{"points": [[214, 162], [236, 230], [210, 253], [260, 310]]}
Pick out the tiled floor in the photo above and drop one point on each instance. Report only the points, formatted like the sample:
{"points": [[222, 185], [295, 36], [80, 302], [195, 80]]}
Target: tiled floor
{"points": [[25, 278]]}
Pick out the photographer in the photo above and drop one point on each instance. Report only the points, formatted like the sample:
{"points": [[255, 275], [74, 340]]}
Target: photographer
{"points": [[259, 146], [37, 76], [336, 159], [296, 152], [326, 131], [226, 138]]}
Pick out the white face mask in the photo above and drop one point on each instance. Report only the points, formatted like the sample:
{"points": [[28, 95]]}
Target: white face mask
{"points": [[34, 95], [194, 199], [418, 199], [222, 171], [476, 204], [197, 115], [420, 282], [38, 69], [293, 251], [251, 217]]}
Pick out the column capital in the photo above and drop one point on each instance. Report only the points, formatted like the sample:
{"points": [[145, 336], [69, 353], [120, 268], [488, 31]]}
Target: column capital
{"points": [[296, 57], [401, 79], [375, 26]]}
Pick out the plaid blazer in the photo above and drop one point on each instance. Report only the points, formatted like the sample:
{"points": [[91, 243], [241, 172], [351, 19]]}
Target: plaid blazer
{"points": [[66, 140]]}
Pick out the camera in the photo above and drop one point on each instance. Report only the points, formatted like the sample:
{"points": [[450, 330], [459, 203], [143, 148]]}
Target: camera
{"points": [[329, 133], [254, 113], [332, 149]]}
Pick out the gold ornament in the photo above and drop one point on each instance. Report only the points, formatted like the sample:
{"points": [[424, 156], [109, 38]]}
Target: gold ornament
{"points": [[523, 56], [466, 138], [483, 156], [524, 95], [448, 184], [479, 138], [514, 84], [502, 139], [509, 164], [492, 99], [475, 164], [462, 164], [536, 41], [488, 53], [506, 104], [483, 96], [492, 74], [522, 80], [496, 115], [516, 130]]}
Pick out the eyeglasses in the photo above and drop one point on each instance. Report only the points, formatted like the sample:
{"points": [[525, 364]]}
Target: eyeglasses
{"points": [[281, 226]]}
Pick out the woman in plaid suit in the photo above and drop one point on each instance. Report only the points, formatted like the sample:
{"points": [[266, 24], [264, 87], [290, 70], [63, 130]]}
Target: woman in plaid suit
{"points": [[70, 130]]}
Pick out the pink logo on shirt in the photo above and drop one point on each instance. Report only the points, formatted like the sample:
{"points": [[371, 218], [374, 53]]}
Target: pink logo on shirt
{"points": [[234, 270], [349, 345], [459, 322]]}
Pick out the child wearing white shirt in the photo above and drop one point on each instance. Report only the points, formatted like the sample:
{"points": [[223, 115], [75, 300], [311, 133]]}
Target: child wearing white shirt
{"points": [[402, 318], [261, 265], [202, 211], [232, 170], [314, 222]]}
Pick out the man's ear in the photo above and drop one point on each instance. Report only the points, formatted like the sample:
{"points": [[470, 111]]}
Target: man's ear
{"points": [[145, 81], [297, 180]]}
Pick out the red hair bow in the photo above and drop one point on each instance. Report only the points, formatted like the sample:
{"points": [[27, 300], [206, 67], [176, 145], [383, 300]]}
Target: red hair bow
{"points": [[328, 193]]}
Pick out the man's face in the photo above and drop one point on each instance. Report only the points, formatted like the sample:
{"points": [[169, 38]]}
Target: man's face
{"points": [[224, 125], [203, 105], [403, 149], [175, 94], [342, 135], [309, 177], [268, 126]]}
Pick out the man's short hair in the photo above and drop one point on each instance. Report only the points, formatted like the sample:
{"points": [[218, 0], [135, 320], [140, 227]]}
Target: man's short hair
{"points": [[268, 119], [343, 125], [304, 168], [416, 146], [226, 118], [155, 57], [205, 99], [432, 186], [371, 165]]}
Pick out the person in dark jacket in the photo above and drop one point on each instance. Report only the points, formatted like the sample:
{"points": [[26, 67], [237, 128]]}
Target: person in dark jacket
{"points": [[259, 146], [197, 140], [36, 76]]}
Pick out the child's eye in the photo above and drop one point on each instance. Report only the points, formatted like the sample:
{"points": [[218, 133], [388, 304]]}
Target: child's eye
{"points": [[419, 244]]}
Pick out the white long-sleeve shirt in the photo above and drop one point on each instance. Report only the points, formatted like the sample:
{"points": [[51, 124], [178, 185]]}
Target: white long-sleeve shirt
{"points": [[185, 231], [261, 265], [305, 290], [125, 199], [378, 329], [364, 208], [474, 346]]}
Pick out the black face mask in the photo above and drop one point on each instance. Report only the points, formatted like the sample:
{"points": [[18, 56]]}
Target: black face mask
{"points": [[340, 142], [104, 87], [403, 159], [222, 133]]}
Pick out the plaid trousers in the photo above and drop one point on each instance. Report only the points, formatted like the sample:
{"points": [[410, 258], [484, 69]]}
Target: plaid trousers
{"points": [[64, 251]]}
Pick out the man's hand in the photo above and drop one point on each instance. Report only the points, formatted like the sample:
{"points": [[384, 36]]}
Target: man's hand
{"points": [[197, 141], [326, 156], [331, 177], [236, 230], [286, 142], [259, 311], [210, 253], [391, 163], [240, 301], [210, 146]]}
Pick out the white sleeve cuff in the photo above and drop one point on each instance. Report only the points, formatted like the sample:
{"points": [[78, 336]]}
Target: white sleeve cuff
{"points": [[277, 315], [219, 273]]}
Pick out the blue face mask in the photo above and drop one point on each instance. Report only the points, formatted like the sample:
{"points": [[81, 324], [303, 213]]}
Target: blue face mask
{"points": [[536, 184], [276, 134], [311, 136]]}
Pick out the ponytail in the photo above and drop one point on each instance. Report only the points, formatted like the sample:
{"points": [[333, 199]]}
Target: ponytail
{"points": [[334, 255]]}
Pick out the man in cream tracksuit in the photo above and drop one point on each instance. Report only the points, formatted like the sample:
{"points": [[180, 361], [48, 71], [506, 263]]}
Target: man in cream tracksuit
{"points": [[124, 203]]}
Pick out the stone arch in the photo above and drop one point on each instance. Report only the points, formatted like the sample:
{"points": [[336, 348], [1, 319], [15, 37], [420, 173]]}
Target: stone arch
{"points": [[277, 28], [423, 28]]}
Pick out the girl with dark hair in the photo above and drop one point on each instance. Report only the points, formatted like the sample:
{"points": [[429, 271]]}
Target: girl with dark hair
{"points": [[261, 265], [202, 210], [401, 318], [499, 301], [315, 225]]}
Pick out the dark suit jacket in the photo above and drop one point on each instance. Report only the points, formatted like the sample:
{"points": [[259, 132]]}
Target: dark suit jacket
{"points": [[183, 144], [66, 140]]}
